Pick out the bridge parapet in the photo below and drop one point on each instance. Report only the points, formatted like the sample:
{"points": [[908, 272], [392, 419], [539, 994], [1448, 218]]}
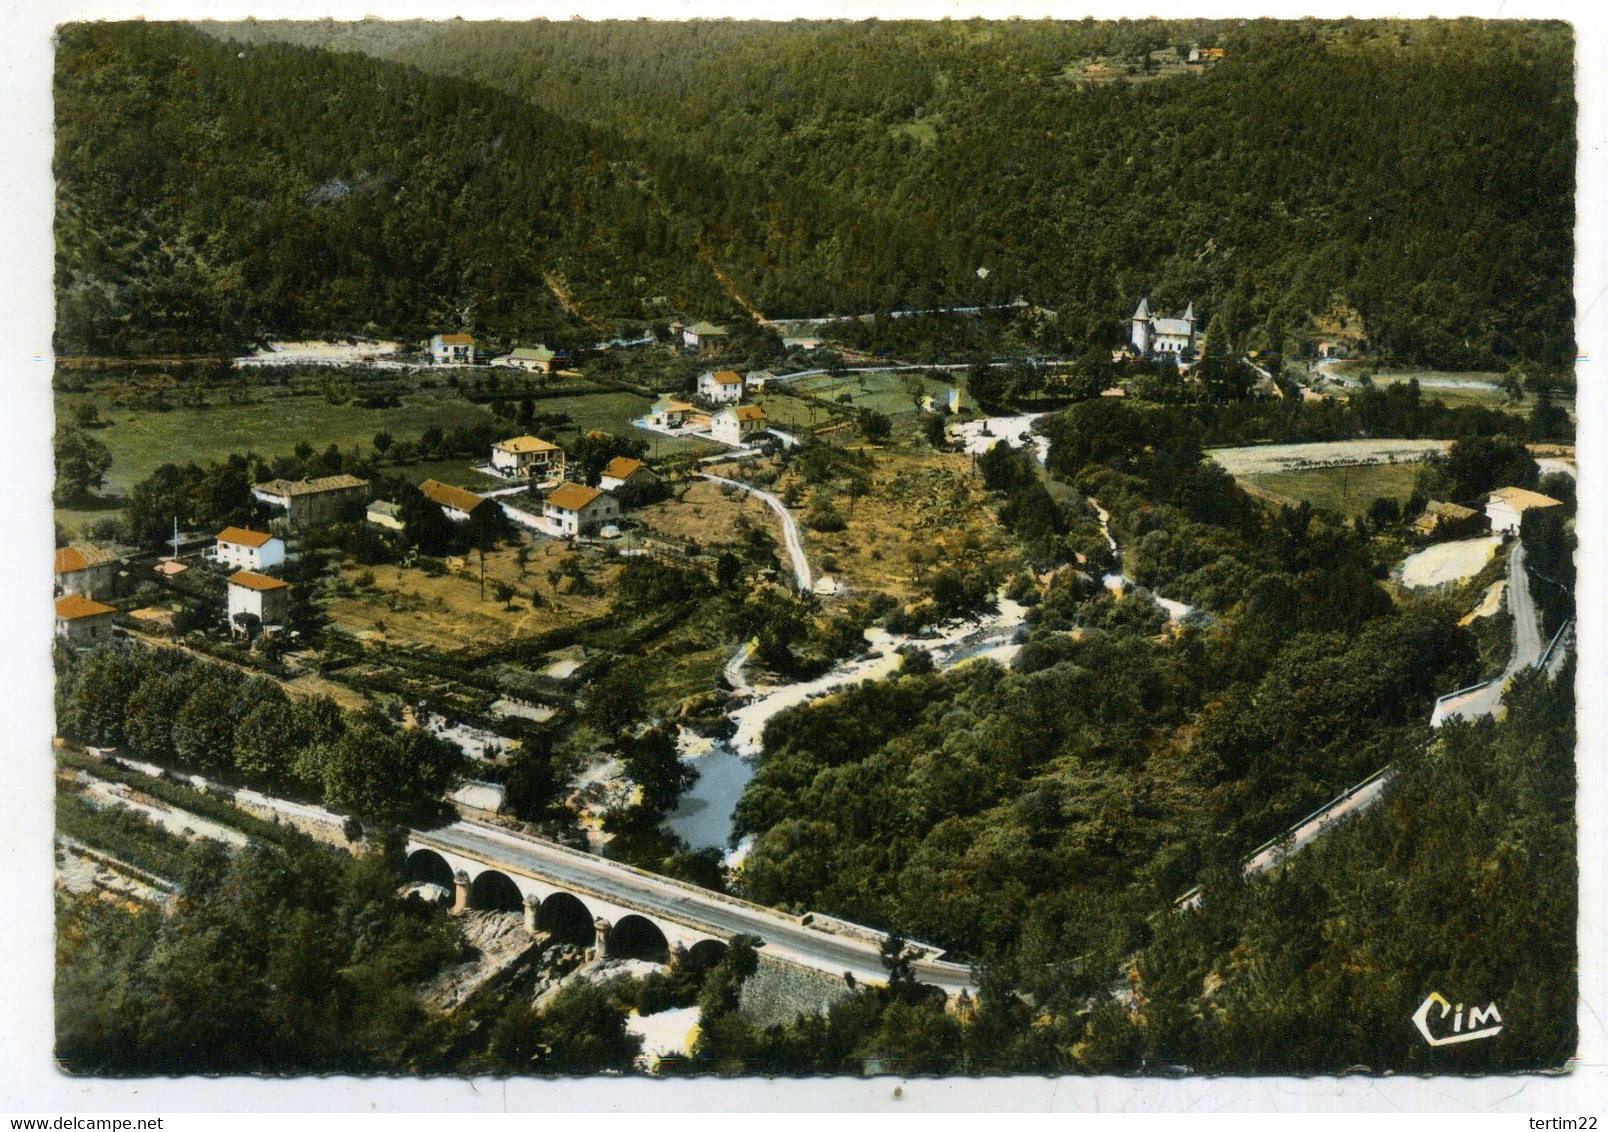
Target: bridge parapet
{"points": [[563, 891]]}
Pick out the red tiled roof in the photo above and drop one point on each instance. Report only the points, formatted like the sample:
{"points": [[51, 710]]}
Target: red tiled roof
{"points": [[70, 559], [750, 413], [74, 606], [525, 444], [241, 536], [259, 582], [448, 496], [457, 339], [622, 467], [726, 377], [1522, 500], [572, 496]]}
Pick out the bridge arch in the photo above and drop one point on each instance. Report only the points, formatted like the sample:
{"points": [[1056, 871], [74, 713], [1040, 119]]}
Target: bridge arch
{"points": [[705, 954], [566, 919], [429, 866], [493, 891], [636, 937]]}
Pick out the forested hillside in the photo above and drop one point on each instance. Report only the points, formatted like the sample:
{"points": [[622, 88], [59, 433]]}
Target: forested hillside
{"points": [[209, 196], [1420, 174]]}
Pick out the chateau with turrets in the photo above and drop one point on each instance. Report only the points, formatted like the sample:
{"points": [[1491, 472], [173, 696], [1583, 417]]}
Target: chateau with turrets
{"points": [[1153, 335]]}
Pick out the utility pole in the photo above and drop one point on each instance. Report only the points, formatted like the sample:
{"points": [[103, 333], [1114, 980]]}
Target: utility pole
{"points": [[482, 573]]}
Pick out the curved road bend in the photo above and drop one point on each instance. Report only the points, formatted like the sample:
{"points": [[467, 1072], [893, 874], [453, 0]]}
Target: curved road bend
{"points": [[785, 938], [1527, 645], [795, 545]]}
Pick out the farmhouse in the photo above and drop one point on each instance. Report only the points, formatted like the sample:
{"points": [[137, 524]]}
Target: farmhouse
{"points": [[457, 503], [1506, 507], [535, 359], [576, 510], [668, 412], [625, 476], [735, 424], [453, 349], [1163, 335], [756, 379], [82, 621], [705, 337], [309, 502], [86, 570], [528, 457], [256, 601], [247, 549], [721, 387]]}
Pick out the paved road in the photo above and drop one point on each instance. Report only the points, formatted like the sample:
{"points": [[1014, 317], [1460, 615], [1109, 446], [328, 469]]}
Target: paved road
{"points": [[795, 545], [1481, 701], [785, 937], [1527, 647]]}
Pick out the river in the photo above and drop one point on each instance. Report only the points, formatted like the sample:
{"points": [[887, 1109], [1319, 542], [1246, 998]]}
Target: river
{"points": [[704, 816]]}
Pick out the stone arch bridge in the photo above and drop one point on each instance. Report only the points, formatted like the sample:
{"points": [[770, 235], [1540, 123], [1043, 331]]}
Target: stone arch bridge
{"points": [[624, 912]]}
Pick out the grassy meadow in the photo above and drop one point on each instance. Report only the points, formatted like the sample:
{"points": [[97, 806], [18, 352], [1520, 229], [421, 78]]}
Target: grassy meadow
{"points": [[1346, 491]]}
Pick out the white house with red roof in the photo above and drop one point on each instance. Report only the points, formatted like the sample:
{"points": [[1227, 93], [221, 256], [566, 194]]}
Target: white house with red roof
{"points": [[453, 349], [257, 596], [87, 570], [721, 387], [246, 549], [1506, 507], [83, 621], [624, 473], [737, 424], [456, 503], [573, 509], [528, 457]]}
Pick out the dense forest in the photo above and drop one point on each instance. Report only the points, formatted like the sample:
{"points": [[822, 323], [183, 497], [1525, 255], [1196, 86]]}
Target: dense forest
{"points": [[1415, 176]]}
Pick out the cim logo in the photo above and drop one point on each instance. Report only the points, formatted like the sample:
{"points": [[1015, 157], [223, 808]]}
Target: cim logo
{"points": [[1480, 1022]]}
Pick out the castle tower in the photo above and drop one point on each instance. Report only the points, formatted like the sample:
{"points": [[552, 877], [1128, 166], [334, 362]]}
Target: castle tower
{"points": [[1142, 327]]}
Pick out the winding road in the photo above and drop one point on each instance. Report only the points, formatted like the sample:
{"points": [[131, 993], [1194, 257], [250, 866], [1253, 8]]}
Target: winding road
{"points": [[790, 535], [1472, 703]]}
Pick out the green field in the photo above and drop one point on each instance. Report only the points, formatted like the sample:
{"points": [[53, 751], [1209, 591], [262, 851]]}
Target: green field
{"points": [[142, 440], [1347, 491], [1454, 389], [883, 392]]}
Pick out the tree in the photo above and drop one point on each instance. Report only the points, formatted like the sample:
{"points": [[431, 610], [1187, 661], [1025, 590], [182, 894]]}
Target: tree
{"points": [[81, 464], [655, 765], [424, 526], [876, 427], [584, 1031], [615, 700], [382, 442]]}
